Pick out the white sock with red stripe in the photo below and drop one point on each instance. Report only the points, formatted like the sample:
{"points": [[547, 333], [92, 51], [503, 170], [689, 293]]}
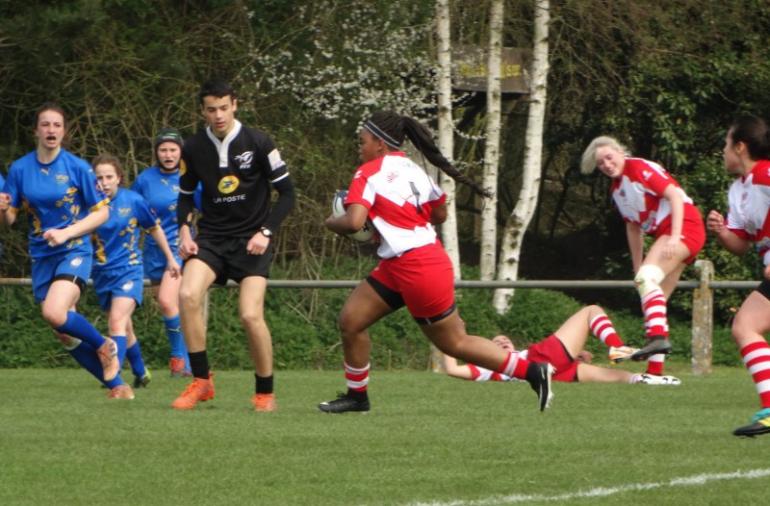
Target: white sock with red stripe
{"points": [[602, 328], [655, 319], [514, 366], [357, 379], [756, 358], [655, 364], [655, 325]]}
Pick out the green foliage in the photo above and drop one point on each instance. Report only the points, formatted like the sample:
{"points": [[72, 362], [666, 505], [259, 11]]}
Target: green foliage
{"points": [[303, 323]]}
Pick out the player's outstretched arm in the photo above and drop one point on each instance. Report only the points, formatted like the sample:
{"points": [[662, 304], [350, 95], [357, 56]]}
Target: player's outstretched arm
{"points": [[455, 370]]}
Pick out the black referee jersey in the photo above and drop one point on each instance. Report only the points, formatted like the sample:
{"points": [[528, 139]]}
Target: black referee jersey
{"points": [[236, 174]]}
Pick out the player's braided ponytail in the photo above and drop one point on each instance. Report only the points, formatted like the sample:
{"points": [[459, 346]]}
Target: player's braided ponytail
{"points": [[392, 128]]}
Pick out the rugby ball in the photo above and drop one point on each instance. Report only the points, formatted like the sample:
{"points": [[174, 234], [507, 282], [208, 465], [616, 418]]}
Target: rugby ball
{"points": [[338, 209]]}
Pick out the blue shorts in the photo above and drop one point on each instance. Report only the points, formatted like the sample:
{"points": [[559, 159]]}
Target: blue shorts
{"points": [[122, 282], [155, 263], [74, 265]]}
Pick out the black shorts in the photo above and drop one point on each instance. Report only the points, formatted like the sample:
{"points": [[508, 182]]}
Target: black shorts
{"points": [[764, 288], [228, 258]]}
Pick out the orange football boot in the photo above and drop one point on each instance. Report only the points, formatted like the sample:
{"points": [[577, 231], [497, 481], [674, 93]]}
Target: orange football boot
{"points": [[108, 356], [121, 392], [264, 403], [200, 390]]}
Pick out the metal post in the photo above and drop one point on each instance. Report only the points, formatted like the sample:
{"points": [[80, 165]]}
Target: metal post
{"points": [[703, 319]]}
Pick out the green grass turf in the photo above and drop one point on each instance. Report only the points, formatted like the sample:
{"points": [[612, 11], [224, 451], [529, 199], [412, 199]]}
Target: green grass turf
{"points": [[428, 438]]}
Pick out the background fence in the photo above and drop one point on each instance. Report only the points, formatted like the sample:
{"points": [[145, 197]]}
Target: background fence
{"points": [[702, 302]]}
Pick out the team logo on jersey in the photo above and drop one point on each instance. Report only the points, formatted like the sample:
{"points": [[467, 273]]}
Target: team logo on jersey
{"points": [[124, 211], [228, 184], [646, 174], [62, 178], [182, 167], [391, 176], [75, 262], [128, 285], [244, 160]]}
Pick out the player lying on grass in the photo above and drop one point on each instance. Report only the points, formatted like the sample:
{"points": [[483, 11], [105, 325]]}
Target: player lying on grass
{"points": [[564, 350]]}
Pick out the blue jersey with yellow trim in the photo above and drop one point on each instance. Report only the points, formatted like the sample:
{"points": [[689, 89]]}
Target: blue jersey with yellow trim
{"points": [[116, 242], [55, 195], [161, 191]]}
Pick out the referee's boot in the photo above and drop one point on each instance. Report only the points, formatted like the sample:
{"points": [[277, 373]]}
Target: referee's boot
{"points": [[200, 390]]}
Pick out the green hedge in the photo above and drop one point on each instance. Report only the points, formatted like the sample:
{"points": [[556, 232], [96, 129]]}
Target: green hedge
{"points": [[304, 329]]}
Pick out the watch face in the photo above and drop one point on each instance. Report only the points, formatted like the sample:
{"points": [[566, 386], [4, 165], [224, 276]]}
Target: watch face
{"points": [[266, 232]]}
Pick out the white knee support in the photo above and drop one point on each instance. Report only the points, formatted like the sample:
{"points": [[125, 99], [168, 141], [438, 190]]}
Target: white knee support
{"points": [[648, 279]]}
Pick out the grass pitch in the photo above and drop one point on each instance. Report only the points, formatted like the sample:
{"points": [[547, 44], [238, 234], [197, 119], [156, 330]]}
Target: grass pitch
{"points": [[429, 439]]}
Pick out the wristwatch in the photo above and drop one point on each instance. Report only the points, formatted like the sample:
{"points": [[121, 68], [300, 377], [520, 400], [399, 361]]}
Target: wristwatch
{"points": [[266, 232]]}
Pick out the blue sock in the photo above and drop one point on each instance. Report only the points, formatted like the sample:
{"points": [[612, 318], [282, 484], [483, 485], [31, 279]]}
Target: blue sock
{"points": [[85, 355], [121, 342], [175, 336], [77, 326], [134, 356]]}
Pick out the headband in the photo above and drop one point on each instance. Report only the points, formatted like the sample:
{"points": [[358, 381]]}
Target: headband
{"points": [[387, 139]]}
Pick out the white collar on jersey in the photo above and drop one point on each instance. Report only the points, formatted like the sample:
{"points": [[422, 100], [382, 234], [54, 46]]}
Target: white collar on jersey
{"points": [[223, 145]]}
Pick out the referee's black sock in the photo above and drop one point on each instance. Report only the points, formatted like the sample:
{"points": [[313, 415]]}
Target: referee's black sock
{"points": [[264, 384], [199, 363]]}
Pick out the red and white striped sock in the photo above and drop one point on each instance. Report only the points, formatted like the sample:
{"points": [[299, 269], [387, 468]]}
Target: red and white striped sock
{"points": [[357, 379], [756, 358], [514, 366], [655, 364], [654, 309], [601, 327]]}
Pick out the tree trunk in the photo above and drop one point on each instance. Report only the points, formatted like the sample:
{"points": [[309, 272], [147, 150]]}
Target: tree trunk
{"points": [[492, 144], [517, 223], [445, 130], [446, 146]]}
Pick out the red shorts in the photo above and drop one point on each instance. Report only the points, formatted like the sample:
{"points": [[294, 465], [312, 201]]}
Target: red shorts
{"points": [[693, 231], [424, 280], [552, 350]]}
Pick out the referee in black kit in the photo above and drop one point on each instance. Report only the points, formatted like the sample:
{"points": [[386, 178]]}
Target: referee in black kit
{"points": [[237, 167]]}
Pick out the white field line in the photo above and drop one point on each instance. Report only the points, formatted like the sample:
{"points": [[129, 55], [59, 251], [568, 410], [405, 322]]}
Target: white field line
{"points": [[686, 481]]}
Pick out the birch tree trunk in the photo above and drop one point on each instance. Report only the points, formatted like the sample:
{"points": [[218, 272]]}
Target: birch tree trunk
{"points": [[492, 145], [445, 131], [446, 146], [517, 223]]}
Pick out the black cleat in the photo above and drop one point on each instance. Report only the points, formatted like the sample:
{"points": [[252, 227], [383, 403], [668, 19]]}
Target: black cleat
{"points": [[144, 380], [344, 403], [654, 346], [760, 425], [539, 378]]}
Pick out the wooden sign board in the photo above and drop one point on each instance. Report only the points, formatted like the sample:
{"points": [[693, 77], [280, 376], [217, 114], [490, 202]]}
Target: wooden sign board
{"points": [[469, 69]]}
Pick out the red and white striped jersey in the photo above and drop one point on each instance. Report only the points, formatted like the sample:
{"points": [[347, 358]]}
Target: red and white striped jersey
{"points": [[749, 199], [638, 194], [400, 197]]}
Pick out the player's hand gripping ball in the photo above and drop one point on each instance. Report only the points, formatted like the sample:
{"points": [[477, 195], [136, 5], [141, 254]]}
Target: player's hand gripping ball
{"points": [[338, 209]]}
